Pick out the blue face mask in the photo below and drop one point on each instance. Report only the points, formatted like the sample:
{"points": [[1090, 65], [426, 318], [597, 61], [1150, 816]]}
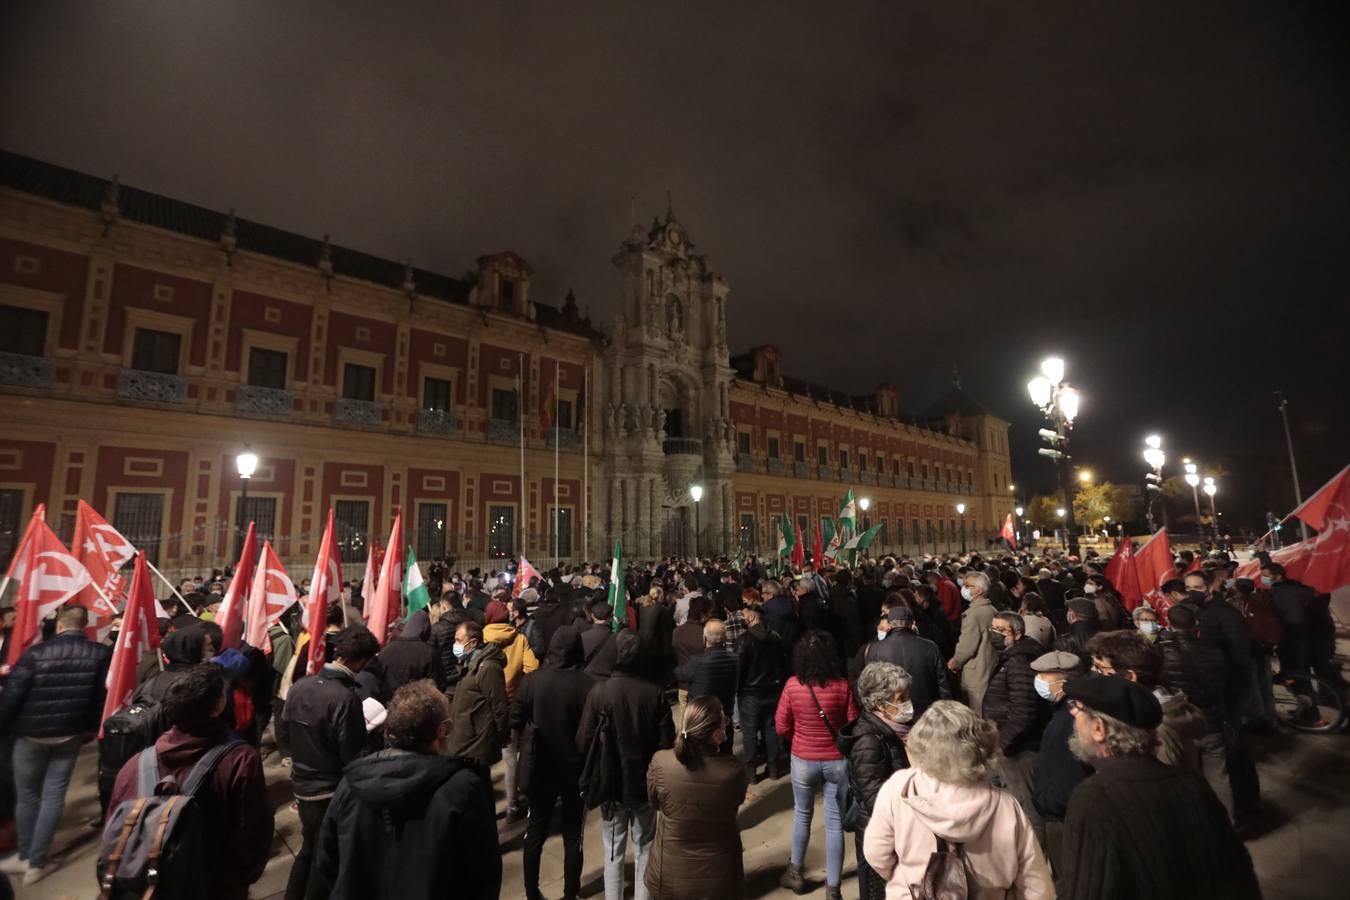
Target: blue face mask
{"points": [[1266, 580], [459, 650], [1044, 690], [1147, 627]]}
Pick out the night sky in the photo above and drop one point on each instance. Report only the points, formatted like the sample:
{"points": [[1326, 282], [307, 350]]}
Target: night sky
{"points": [[1157, 191]]}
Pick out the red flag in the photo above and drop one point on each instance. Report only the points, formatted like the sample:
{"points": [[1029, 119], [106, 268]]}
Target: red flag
{"points": [[1153, 566], [524, 574], [1009, 534], [230, 614], [1121, 572], [1294, 558], [270, 595], [1195, 565], [139, 635], [103, 551], [383, 608], [1328, 511], [798, 548], [373, 559], [48, 577], [325, 588], [817, 554]]}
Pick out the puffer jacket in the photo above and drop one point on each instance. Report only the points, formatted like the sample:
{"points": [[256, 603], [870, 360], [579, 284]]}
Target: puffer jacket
{"points": [[874, 752], [798, 718], [479, 712], [327, 730], [442, 641], [520, 659], [56, 688], [1010, 701], [1197, 669]]}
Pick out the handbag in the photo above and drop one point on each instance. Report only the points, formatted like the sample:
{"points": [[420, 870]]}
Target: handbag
{"points": [[850, 810], [947, 875]]}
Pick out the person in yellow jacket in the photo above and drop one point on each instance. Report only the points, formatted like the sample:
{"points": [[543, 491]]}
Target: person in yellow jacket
{"points": [[520, 661]]}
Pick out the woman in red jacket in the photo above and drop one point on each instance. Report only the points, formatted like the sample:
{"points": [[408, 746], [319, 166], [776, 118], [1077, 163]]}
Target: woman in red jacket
{"points": [[816, 703]]}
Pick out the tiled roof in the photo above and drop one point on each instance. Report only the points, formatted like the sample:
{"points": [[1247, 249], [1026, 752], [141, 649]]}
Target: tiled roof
{"points": [[72, 188]]}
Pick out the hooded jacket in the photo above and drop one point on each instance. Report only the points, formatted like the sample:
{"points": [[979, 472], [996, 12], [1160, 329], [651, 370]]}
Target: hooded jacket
{"points": [[409, 826], [1011, 702], [520, 659], [553, 700], [409, 657], [874, 752], [236, 815], [1001, 850], [479, 712], [183, 649]]}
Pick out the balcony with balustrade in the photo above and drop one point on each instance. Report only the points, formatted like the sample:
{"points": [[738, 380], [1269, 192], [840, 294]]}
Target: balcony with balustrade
{"points": [[801, 469], [503, 431], [682, 446], [562, 438], [263, 402], [351, 413], [825, 473], [21, 370], [437, 423], [745, 462], [775, 466], [151, 387]]}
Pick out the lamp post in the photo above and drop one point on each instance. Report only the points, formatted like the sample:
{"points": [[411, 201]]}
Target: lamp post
{"points": [[1193, 479], [245, 463], [1018, 532], [961, 508], [1293, 466], [696, 491], [1211, 488], [1155, 457], [1061, 513], [1058, 402]]}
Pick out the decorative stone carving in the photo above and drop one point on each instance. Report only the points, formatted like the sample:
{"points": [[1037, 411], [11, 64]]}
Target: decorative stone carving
{"points": [[25, 371], [611, 418], [271, 403], [152, 387], [436, 421], [360, 413]]}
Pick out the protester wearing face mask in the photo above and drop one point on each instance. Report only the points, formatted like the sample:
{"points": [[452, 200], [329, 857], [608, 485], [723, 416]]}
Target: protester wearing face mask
{"points": [[874, 745], [1058, 771], [1146, 622], [1010, 702], [479, 712], [916, 655], [975, 653]]}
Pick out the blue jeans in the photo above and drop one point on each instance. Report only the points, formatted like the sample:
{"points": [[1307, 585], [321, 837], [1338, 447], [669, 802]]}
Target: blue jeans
{"points": [[614, 840], [41, 776], [809, 776]]}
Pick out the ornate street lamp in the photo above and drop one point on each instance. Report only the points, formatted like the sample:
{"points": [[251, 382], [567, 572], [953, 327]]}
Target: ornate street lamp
{"points": [[1058, 402], [961, 508], [245, 463], [1155, 457], [696, 491]]}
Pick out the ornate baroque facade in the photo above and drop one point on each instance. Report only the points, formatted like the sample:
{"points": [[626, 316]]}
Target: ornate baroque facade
{"points": [[145, 342]]}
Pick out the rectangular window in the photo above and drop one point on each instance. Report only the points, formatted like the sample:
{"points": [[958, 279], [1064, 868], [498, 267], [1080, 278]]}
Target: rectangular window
{"points": [[862, 463], [918, 537], [352, 520], [881, 465], [560, 538], [747, 534], [823, 455], [895, 467], [942, 534], [504, 404], [806, 529], [867, 523], [436, 394], [799, 452], [502, 532], [507, 296], [928, 526], [155, 351], [267, 368], [430, 531], [911, 468], [970, 479], [23, 331], [743, 443], [358, 382], [565, 414], [925, 471], [843, 459], [139, 518], [773, 448], [11, 511], [262, 511]]}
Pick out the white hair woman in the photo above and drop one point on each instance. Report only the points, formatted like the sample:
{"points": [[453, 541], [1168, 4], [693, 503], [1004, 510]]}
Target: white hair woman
{"points": [[946, 795], [874, 746]]}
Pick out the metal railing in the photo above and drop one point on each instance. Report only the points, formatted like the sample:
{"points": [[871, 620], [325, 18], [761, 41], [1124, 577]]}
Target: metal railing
{"points": [[22, 370], [674, 446], [357, 413], [271, 403], [151, 387]]}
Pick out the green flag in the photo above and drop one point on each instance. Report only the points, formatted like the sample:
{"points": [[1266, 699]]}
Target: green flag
{"points": [[788, 539], [861, 542], [618, 597], [415, 592], [848, 513], [828, 536]]}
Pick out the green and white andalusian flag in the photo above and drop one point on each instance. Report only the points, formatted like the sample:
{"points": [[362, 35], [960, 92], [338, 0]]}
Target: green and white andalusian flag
{"points": [[786, 539], [829, 536], [861, 542], [415, 592], [848, 513], [618, 597]]}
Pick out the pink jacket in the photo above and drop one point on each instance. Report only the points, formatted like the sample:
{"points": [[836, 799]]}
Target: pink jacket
{"points": [[1001, 850], [798, 720]]}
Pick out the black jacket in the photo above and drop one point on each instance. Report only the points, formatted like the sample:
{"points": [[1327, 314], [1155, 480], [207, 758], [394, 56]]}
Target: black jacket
{"points": [[714, 672], [1011, 702], [1223, 625], [1139, 828], [409, 657], [327, 730], [640, 724], [763, 661], [442, 641], [1197, 669], [656, 626], [921, 659], [1076, 640], [552, 698], [551, 615], [406, 825], [874, 753], [597, 647], [56, 688], [1058, 771]]}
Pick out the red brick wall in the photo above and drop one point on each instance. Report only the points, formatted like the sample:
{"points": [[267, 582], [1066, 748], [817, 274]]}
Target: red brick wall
{"points": [[59, 272]]}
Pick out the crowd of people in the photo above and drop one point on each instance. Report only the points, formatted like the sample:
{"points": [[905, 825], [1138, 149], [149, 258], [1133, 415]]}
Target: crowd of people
{"points": [[988, 726]]}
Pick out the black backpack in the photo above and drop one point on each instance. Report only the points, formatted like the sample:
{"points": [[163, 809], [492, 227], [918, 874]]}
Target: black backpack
{"points": [[602, 770], [153, 843], [126, 733]]}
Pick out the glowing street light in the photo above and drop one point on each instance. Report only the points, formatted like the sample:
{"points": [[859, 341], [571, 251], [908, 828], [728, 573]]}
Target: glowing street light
{"points": [[246, 463], [865, 502], [1211, 489], [1019, 511], [1085, 476], [1059, 402], [696, 491], [1154, 456], [1061, 512]]}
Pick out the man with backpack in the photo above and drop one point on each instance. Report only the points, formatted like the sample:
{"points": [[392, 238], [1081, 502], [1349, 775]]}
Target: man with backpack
{"points": [[631, 716], [215, 844]]}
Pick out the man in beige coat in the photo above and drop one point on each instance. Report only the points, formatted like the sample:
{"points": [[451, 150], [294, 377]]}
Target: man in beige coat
{"points": [[976, 654]]}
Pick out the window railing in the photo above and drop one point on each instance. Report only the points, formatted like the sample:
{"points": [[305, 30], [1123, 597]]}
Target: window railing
{"points": [[358, 413], [563, 438], [825, 473], [22, 370], [801, 470], [682, 446], [252, 400], [503, 431], [775, 466], [864, 478], [745, 462], [151, 387], [437, 421]]}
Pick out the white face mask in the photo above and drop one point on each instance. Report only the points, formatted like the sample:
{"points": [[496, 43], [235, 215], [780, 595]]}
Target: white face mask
{"points": [[1089, 588], [881, 635], [966, 594], [902, 713]]}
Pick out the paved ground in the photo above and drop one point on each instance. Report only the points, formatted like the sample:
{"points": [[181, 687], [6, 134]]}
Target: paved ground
{"points": [[1301, 853]]}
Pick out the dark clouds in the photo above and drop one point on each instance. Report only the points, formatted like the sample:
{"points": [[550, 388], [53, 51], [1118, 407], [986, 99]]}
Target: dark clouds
{"points": [[1157, 190]]}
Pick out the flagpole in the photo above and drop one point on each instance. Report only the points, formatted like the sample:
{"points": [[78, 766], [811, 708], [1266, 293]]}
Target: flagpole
{"points": [[557, 406], [586, 467], [151, 566], [520, 528]]}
